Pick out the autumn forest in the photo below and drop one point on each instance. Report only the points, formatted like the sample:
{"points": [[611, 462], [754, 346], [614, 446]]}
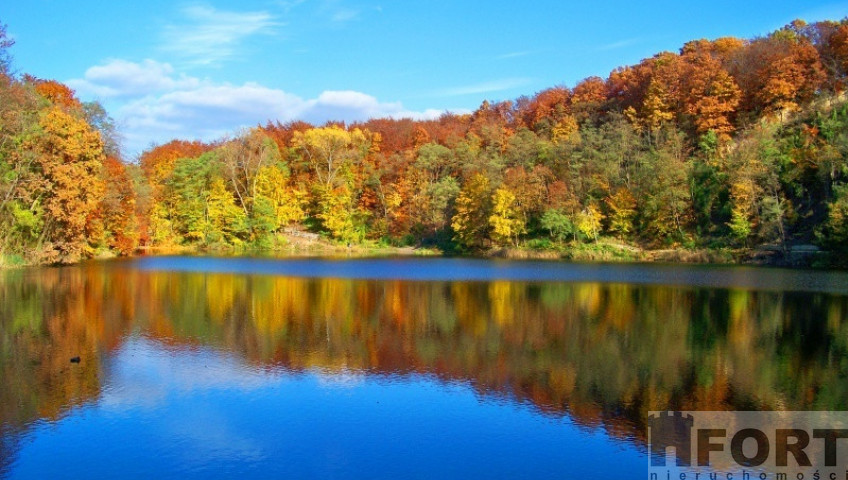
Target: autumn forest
{"points": [[726, 145]]}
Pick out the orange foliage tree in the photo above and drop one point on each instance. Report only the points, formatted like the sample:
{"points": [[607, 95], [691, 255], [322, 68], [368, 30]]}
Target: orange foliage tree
{"points": [[70, 156]]}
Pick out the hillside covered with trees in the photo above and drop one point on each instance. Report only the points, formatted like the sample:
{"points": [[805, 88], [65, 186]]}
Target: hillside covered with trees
{"points": [[726, 144]]}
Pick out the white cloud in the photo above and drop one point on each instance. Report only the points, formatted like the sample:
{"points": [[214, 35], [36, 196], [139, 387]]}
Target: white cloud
{"points": [[337, 12], [120, 78], [485, 87], [212, 111], [620, 44], [347, 105], [206, 112], [153, 104], [210, 35]]}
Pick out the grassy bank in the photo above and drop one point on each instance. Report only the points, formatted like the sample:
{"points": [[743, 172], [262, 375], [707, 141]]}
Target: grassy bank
{"points": [[12, 261], [609, 251], [797, 256], [604, 250], [284, 246]]}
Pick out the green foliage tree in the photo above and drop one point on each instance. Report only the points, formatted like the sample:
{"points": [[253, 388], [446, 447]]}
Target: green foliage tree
{"points": [[665, 196], [187, 191], [834, 232], [559, 224]]}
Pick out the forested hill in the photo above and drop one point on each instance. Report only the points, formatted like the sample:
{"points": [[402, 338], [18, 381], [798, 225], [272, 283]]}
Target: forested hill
{"points": [[726, 144]]}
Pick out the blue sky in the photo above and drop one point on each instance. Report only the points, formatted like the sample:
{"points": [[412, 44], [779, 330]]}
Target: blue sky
{"points": [[166, 69]]}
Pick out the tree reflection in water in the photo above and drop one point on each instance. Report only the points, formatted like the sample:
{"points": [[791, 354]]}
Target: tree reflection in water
{"points": [[602, 354]]}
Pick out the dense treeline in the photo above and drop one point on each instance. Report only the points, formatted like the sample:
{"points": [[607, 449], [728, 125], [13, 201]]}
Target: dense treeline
{"points": [[728, 143]]}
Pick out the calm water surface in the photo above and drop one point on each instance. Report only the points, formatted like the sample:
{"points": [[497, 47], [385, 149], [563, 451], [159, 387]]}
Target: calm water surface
{"points": [[395, 368]]}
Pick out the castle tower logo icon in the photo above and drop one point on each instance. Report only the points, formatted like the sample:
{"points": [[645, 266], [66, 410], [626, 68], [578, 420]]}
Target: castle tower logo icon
{"points": [[670, 429]]}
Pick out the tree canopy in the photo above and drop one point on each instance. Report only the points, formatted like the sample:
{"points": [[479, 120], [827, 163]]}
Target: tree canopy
{"points": [[727, 142]]}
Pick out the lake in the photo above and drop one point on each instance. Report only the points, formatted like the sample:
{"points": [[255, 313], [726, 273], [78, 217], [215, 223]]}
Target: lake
{"points": [[192, 367]]}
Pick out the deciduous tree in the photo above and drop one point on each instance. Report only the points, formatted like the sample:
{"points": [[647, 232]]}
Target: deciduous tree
{"points": [[473, 206], [506, 220]]}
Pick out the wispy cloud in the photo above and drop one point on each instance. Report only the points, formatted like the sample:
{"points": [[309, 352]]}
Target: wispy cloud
{"points": [[619, 44], [208, 36], [288, 5], [485, 87], [344, 15], [509, 55], [338, 12]]}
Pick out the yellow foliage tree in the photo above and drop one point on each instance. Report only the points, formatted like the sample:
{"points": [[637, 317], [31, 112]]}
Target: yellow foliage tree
{"points": [[472, 212], [744, 193], [273, 184], [338, 213], [622, 206], [330, 149], [506, 220], [657, 106], [223, 216], [589, 222], [565, 131], [160, 227]]}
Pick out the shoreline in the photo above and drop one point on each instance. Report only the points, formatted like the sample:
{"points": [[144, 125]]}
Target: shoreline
{"points": [[801, 257]]}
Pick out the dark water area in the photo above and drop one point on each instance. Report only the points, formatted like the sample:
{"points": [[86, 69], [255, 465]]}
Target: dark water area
{"points": [[193, 367]]}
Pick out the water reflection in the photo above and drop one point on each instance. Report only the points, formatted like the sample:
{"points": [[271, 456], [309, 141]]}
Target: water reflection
{"points": [[596, 354]]}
